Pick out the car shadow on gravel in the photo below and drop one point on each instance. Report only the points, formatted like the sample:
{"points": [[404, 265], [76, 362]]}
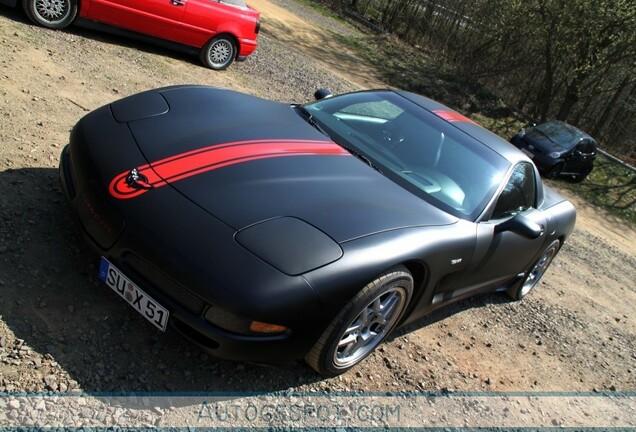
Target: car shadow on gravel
{"points": [[476, 302], [15, 14], [176, 53], [51, 299]]}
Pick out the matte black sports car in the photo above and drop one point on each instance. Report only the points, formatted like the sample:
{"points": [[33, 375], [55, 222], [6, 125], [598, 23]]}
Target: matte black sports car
{"points": [[558, 149], [264, 231]]}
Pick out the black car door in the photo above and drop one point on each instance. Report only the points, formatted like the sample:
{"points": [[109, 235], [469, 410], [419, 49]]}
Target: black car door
{"points": [[501, 254]]}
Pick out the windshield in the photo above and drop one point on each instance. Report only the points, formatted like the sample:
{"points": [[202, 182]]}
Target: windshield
{"points": [[415, 148], [562, 135]]}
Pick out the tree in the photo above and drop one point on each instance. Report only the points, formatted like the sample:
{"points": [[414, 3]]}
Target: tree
{"points": [[570, 59]]}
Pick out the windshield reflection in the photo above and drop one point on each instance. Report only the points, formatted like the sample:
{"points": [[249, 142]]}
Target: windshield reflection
{"points": [[415, 148]]}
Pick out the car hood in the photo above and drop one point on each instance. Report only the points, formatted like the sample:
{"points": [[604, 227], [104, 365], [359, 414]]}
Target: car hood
{"points": [[245, 160]]}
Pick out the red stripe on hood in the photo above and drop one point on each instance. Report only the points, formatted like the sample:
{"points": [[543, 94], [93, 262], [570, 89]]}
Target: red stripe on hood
{"points": [[184, 165]]}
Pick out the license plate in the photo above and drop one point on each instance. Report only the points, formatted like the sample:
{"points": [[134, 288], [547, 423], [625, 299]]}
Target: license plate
{"points": [[148, 307], [528, 153]]}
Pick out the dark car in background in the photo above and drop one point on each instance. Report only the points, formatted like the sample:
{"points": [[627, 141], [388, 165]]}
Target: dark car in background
{"points": [[219, 31], [558, 149]]}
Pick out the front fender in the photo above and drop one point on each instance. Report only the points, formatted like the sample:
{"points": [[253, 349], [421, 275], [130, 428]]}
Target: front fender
{"points": [[437, 250]]}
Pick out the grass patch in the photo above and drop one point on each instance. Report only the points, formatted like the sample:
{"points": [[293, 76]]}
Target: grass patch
{"points": [[611, 187]]}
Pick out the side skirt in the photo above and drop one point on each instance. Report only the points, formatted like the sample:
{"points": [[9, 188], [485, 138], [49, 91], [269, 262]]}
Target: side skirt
{"points": [[443, 299]]}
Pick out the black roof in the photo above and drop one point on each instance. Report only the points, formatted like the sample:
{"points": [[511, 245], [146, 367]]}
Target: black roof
{"points": [[479, 133]]}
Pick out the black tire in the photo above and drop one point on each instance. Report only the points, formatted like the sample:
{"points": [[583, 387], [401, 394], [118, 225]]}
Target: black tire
{"points": [[582, 175], [555, 171], [535, 273], [376, 309], [53, 14], [219, 52]]}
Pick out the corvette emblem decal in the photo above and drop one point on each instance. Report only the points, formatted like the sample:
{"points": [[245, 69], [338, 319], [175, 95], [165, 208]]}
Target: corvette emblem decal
{"points": [[136, 180], [142, 179]]}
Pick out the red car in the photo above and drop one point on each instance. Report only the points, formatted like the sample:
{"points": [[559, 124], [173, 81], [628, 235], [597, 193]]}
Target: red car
{"points": [[220, 30]]}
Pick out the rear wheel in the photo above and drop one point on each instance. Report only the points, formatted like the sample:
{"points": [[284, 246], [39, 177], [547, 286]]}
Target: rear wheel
{"points": [[219, 52], [363, 323], [537, 271], [53, 14]]}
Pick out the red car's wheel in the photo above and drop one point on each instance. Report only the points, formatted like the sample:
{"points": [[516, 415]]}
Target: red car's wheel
{"points": [[219, 52], [53, 14]]}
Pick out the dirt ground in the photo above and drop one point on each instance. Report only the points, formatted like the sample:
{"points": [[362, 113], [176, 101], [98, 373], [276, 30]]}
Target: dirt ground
{"points": [[316, 41], [61, 329]]}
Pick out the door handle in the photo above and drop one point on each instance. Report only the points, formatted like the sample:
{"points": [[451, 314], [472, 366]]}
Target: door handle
{"points": [[177, 2]]}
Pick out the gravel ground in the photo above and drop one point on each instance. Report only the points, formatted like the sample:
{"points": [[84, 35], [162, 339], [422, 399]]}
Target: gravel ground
{"points": [[296, 78], [62, 330]]}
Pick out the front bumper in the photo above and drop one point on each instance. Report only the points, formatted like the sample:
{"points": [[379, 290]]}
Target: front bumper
{"points": [[543, 162], [160, 250]]}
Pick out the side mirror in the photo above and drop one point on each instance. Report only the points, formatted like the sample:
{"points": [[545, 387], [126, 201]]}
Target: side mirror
{"points": [[521, 225], [322, 93]]}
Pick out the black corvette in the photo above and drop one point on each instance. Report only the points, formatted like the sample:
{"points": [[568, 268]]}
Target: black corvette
{"points": [[264, 231]]}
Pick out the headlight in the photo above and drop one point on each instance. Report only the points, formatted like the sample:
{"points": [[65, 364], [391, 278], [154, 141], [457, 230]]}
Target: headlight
{"points": [[555, 155], [290, 245]]}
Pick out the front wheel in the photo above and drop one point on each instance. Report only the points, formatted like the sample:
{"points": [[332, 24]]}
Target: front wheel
{"points": [[582, 175], [219, 52], [537, 271], [555, 171], [53, 14], [363, 323]]}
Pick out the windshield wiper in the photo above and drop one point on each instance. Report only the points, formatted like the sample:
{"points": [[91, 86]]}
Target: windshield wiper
{"points": [[362, 157], [310, 118]]}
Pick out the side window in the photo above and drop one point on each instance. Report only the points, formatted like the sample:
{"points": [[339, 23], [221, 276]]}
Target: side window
{"points": [[519, 194]]}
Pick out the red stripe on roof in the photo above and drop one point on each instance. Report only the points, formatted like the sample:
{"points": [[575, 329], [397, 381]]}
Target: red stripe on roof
{"points": [[452, 117]]}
